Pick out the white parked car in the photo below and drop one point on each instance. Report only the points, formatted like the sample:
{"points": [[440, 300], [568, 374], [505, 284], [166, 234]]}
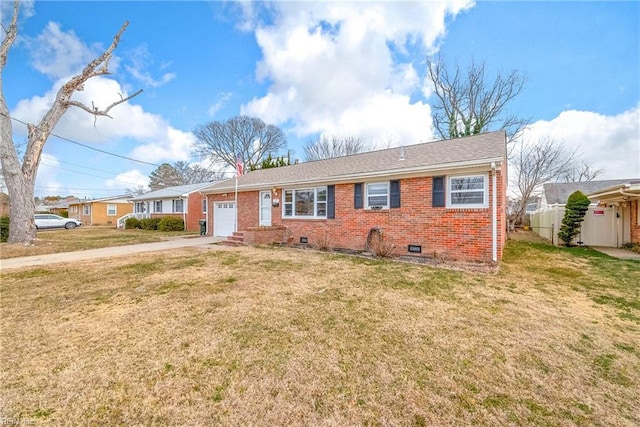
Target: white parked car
{"points": [[55, 221]]}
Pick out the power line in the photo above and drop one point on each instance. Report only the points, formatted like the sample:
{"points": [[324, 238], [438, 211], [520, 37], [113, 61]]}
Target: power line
{"points": [[84, 145], [49, 165]]}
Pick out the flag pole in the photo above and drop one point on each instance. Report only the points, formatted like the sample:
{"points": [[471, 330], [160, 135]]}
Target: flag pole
{"points": [[235, 205]]}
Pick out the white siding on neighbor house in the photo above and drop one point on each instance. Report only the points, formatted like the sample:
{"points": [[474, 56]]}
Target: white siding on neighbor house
{"points": [[602, 226], [168, 206]]}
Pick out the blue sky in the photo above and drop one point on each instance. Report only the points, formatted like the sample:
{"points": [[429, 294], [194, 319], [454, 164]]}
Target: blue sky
{"points": [[336, 68]]}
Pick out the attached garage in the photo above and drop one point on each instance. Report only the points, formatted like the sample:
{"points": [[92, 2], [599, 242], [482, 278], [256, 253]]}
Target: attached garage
{"points": [[224, 218]]}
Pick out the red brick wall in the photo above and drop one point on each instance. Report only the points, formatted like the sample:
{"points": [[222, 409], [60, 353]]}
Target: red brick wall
{"points": [[635, 226], [194, 211], [461, 234]]}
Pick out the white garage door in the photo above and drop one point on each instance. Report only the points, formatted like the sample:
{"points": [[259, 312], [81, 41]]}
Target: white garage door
{"points": [[224, 218]]}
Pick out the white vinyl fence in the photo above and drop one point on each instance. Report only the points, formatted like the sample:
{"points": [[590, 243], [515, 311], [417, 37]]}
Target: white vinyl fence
{"points": [[602, 226]]}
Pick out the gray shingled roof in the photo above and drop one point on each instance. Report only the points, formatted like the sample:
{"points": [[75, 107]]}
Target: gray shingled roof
{"points": [[559, 192], [177, 191], [430, 156]]}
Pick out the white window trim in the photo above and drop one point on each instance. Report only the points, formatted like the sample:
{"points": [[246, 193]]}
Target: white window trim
{"points": [[86, 209], [155, 206], [173, 205], [485, 198], [366, 194], [204, 206], [115, 209], [293, 203]]}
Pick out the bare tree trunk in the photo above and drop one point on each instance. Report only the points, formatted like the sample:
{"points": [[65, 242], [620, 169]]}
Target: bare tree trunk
{"points": [[20, 179]]}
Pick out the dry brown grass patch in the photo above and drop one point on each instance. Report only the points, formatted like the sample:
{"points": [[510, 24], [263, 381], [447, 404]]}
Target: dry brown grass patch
{"points": [[259, 336]]}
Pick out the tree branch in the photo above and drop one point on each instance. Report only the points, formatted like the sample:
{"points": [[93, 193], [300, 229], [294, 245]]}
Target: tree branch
{"points": [[97, 112]]}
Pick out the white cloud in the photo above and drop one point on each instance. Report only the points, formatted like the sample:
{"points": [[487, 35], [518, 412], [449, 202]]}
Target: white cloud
{"points": [[57, 53], [174, 146], [129, 179], [160, 141], [140, 59], [611, 143], [223, 98], [333, 66]]}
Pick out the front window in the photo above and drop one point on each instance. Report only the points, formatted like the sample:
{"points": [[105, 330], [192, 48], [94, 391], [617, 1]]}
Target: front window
{"points": [[177, 205], [112, 210], [157, 206], [378, 195], [467, 191], [204, 206], [140, 207], [86, 209], [305, 203]]}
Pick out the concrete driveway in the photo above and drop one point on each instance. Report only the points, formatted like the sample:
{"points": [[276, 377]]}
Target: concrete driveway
{"points": [[67, 257]]}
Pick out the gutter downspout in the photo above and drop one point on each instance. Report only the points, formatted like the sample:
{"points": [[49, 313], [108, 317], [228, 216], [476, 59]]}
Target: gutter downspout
{"points": [[184, 211], [494, 214], [206, 214]]}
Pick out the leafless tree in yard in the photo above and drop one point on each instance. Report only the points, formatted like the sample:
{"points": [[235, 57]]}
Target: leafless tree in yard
{"points": [[327, 147], [20, 175], [247, 137], [194, 174], [534, 163], [580, 172], [468, 102]]}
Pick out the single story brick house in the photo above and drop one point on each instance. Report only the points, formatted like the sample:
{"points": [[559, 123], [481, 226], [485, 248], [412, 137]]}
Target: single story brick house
{"points": [[104, 211], [444, 199], [184, 201]]}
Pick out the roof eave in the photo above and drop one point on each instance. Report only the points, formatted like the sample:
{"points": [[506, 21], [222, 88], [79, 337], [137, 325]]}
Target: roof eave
{"points": [[344, 178]]}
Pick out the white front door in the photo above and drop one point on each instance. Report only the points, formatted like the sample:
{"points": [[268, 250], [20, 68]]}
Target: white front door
{"points": [[265, 208], [224, 218]]}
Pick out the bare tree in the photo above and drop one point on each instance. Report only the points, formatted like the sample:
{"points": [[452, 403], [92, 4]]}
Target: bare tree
{"points": [[20, 176], [327, 147], [534, 164], [580, 172], [194, 174], [138, 190], [247, 137], [468, 102]]}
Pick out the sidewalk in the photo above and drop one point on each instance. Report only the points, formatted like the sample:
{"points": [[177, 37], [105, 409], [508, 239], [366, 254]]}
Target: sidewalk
{"points": [[70, 257], [617, 252]]}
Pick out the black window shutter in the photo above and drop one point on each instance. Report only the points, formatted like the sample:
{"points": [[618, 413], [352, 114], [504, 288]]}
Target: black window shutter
{"points": [[357, 196], [395, 194], [331, 201], [438, 191]]}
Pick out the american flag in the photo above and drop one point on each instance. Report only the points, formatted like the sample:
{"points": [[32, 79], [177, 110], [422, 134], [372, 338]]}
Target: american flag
{"points": [[239, 166]]}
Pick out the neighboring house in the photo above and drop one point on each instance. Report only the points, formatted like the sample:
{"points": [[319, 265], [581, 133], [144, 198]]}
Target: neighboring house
{"points": [[605, 223], [625, 198], [557, 193], [443, 199], [184, 201], [105, 211]]}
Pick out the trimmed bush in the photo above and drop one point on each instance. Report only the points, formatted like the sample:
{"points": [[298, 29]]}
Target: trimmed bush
{"points": [[131, 223], [171, 223], [576, 208], [4, 228], [149, 223]]}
